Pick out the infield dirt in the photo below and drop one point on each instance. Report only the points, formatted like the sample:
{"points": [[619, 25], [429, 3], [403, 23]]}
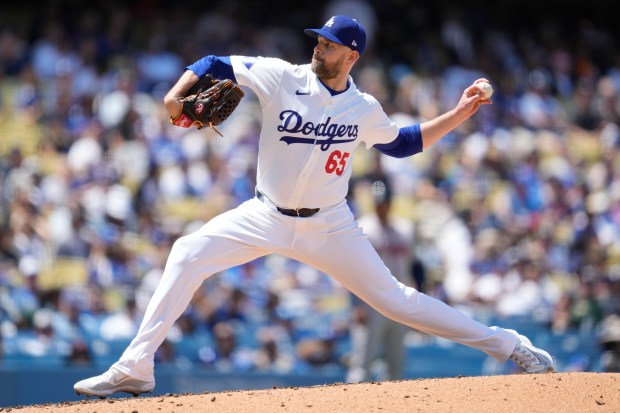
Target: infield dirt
{"points": [[551, 392]]}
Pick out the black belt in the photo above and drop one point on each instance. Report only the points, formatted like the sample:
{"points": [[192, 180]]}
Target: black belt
{"points": [[299, 212]]}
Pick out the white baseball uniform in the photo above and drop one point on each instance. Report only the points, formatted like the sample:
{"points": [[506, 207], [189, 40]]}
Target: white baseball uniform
{"points": [[304, 161]]}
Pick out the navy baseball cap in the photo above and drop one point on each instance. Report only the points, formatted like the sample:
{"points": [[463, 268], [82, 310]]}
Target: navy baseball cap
{"points": [[342, 30]]}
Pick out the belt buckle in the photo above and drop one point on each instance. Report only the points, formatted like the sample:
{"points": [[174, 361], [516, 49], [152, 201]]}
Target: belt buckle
{"points": [[292, 212]]}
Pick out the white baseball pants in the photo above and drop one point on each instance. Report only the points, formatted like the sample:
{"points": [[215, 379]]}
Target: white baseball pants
{"points": [[330, 241]]}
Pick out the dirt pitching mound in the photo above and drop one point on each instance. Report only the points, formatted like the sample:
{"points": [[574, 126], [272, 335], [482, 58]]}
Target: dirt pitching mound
{"points": [[552, 392]]}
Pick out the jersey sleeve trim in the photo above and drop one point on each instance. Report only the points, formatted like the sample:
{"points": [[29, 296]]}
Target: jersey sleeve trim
{"points": [[407, 143], [220, 67]]}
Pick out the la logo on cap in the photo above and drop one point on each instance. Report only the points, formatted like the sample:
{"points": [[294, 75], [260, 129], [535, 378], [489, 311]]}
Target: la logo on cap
{"points": [[342, 30]]}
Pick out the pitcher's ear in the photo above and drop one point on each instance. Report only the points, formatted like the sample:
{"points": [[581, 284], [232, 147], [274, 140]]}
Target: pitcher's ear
{"points": [[354, 55]]}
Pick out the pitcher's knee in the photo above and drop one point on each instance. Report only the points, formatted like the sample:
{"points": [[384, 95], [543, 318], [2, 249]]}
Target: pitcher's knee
{"points": [[397, 310], [399, 307], [186, 248]]}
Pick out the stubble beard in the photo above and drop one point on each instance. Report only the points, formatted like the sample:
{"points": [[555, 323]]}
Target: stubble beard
{"points": [[325, 71]]}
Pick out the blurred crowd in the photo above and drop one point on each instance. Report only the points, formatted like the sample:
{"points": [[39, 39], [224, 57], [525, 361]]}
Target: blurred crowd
{"points": [[516, 213]]}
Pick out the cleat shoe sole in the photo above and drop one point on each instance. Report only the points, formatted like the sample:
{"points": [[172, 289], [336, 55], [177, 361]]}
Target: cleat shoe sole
{"points": [[113, 381]]}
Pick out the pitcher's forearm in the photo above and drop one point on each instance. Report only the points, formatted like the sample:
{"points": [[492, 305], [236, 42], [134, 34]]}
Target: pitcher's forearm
{"points": [[171, 100], [434, 129]]}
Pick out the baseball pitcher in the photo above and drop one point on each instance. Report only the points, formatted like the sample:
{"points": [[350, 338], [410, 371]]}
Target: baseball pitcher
{"points": [[314, 117]]}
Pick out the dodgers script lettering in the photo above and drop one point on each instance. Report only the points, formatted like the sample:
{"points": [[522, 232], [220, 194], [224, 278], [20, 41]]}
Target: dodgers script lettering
{"points": [[292, 122]]}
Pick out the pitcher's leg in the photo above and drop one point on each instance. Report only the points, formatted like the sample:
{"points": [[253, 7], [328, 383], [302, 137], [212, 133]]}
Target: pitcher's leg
{"points": [[193, 258], [247, 232], [350, 258]]}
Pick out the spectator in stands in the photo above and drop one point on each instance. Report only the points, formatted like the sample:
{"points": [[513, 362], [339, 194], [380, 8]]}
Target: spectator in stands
{"points": [[227, 355], [27, 298], [538, 107], [79, 354], [580, 310], [230, 306], [608, 293], [317, 351], [374, 337], [610, 341], [166, 353], [274, 352]]}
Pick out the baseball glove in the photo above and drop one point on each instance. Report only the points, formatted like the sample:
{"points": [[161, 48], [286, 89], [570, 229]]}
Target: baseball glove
{"points": [[208, 103]]}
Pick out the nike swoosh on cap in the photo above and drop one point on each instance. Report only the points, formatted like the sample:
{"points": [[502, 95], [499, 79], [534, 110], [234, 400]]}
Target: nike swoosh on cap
{"points": [[301, 92]]}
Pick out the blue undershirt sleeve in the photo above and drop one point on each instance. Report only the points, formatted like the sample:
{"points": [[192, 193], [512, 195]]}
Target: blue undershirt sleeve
{"points": [[407, 143], [219, 67]]}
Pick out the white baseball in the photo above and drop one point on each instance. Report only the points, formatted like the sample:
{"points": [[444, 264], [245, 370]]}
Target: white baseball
{"points": [[486, 88]]}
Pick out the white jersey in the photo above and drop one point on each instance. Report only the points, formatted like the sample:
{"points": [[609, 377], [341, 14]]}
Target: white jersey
{"points": [[308, 136]]}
